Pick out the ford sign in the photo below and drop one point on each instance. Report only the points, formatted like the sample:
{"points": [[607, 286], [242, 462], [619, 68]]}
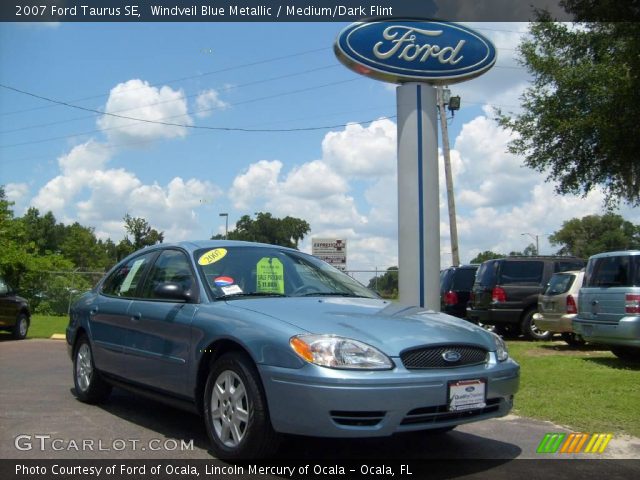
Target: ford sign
{"points": [[400, 51]]}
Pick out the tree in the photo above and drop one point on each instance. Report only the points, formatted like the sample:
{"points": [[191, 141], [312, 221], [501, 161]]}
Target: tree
{"points": [[593, 234], [386, 284], [486, 255], [287, 231], [579, 122], [81, 246], [142, 233]]}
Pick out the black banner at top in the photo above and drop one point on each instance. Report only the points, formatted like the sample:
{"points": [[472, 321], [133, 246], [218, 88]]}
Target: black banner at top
{"points": [[307, 10]]}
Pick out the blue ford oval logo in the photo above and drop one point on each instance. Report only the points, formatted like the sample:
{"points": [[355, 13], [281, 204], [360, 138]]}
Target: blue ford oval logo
{"points": [[469, 389], [401, 51], [451, 356]]}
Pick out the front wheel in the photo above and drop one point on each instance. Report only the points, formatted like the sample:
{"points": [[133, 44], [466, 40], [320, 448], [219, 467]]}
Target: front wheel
{"points": [[530, 330], [89, 384], [235, 410], [21, 327]]}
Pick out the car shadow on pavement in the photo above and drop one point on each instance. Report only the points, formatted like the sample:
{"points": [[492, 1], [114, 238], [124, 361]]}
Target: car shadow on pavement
{"points": [[157, 417], [173, 423]]}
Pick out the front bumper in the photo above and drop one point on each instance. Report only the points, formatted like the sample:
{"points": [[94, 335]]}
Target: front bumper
{"points": [[554, 323], [323, 402], [626, 332]]}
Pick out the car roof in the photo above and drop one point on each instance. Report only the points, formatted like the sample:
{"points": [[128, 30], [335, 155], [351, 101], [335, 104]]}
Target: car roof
{"points": [[619, 253], [193, 245]]}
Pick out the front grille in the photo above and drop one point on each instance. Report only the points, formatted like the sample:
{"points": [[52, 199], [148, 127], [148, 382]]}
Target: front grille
{"points": [[434, 357], [442, 414], [357, 419]]}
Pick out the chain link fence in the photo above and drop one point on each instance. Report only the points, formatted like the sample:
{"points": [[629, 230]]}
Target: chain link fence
{"points": [[53, 292]]}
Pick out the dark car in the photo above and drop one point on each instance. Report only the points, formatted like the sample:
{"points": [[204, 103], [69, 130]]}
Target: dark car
{"points": [[455, 288], [505, 292], [265, 340], [15, 315]]}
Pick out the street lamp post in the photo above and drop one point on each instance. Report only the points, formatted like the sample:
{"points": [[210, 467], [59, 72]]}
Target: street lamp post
{"points": [[535, 237], [226, 224]]}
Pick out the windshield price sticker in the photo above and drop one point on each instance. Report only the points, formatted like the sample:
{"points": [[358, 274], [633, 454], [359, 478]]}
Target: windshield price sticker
{"points": [[270, 276], [467, 395]]}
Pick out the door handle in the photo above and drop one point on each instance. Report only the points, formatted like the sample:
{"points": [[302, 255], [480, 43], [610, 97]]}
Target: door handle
{"points": [[136, 317], [93, 311]]}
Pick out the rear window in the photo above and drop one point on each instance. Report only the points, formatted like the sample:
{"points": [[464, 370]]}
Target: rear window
{"points": [[463, 279], [566, 265], [559, 283], [486, 275], [521, 272], [445, 280], [622, 271]]}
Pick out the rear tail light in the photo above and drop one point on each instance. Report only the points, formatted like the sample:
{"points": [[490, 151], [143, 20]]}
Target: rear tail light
{"points": [[571, 304], [632, 303], [498, 295], [450, 298]]}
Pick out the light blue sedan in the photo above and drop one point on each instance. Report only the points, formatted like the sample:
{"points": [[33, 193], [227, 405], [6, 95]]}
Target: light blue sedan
{"points": [[263, 341]]}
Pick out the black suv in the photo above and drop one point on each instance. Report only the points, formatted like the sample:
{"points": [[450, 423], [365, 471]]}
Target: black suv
{"points": [[505, 293], [455, 288], [14, 312]]}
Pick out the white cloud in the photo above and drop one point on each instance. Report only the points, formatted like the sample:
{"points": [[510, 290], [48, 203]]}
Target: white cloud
{"points": [[207, 101], [362, 152], [137, 99]]}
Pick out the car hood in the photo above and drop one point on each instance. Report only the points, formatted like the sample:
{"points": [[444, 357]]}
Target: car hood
{"points": [[390, 327]]}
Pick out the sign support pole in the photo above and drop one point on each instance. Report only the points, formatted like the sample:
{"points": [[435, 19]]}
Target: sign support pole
{"points": [[418, 196]]}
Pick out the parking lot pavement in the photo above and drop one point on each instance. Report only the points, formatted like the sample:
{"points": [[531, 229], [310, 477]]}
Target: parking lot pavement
{"points": [[41, 418]]}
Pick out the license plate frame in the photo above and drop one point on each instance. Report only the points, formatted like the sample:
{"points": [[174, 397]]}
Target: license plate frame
{"points": [[467, 394]]}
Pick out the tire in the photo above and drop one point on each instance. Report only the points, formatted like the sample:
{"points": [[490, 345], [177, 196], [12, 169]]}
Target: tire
{"points": [[21, 327], [89, 385], [573, 339], [529, 329], [628, 354], [235, 410]]}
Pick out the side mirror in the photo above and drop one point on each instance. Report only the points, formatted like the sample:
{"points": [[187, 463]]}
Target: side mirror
{"points": [[172, 291]]}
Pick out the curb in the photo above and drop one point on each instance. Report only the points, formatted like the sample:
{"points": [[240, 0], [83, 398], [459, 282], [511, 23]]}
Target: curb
{"points": [[58, 336]]}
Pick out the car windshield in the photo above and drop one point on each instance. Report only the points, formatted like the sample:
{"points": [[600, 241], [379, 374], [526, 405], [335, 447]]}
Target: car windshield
{"points": [[247, 271], [559, 283]]}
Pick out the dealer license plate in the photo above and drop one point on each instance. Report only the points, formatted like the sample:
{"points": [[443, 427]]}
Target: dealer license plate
{"points": [[467, 394]]}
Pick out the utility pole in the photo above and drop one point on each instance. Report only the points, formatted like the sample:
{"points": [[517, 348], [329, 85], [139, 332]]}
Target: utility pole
{"points": [[226, 224], [453, 228]]}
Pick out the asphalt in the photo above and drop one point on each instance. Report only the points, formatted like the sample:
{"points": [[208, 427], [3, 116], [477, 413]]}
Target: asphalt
{"points": [[40, 414]]}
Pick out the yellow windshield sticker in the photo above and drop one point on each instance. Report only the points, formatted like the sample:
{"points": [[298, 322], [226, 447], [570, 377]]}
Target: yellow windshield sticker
{"points": [[270, 276], [212, 256]]}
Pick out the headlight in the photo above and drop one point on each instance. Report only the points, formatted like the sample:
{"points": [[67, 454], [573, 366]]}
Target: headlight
{"points": [[339, 352], [501, 348]]}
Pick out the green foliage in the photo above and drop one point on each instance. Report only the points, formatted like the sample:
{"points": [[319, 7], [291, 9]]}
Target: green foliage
{"points": [[47, 262], [593, 234], [287, 231], [386, 284], [142, 233], [579, 120], [486, 255]]}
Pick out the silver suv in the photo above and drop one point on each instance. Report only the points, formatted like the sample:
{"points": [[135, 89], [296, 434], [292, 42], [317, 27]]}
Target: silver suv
{"points": [[609, 303]]}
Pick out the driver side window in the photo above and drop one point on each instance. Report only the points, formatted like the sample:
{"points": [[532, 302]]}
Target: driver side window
{"points": [[170, 266]]}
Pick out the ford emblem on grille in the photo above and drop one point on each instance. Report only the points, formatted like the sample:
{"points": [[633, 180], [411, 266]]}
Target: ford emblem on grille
{"points": [[451, 356]]}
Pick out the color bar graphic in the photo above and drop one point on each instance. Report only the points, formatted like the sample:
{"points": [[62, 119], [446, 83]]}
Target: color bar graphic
{"points": [[574, 443]]}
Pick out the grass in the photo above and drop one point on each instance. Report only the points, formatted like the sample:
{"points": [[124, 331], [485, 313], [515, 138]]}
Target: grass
{"points": [[586, 389], [43, 326]]}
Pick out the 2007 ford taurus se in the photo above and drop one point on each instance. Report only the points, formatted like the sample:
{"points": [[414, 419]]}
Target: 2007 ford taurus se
{"points": [[264, 340]]}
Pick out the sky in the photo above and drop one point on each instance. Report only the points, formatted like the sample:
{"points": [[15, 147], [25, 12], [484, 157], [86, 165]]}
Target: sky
{"points": [[339, 174]]}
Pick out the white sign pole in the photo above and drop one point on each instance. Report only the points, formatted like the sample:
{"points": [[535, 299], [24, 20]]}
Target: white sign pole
{"points": [[418, 199]]}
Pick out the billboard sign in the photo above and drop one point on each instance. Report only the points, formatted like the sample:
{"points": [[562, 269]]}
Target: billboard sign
{"points": [[331, 250]]}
